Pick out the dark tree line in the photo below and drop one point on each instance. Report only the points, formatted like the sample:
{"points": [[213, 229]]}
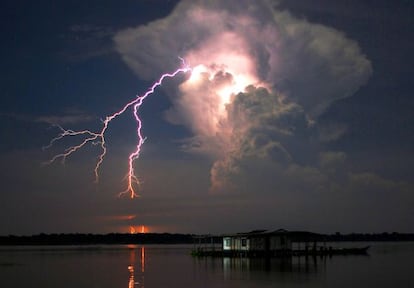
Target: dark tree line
{"points": [[91, 239], [167, 238], [372, 237]]}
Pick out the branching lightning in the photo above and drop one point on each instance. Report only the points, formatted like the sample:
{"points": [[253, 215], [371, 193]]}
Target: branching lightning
{"points": [[98, 138]]}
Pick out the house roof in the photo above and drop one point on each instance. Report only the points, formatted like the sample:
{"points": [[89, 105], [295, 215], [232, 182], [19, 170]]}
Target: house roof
{"points": [[295, 236]]}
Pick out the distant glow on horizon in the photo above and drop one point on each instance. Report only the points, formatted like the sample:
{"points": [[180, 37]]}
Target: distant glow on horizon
{"points": [[138, 229]]}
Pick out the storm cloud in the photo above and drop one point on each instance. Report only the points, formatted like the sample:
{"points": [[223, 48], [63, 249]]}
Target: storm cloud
{"points": [[284, 72]]}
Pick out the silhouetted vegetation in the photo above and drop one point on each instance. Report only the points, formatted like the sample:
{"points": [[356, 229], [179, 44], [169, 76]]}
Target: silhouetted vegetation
{"points": [[91, 239], [394, 236], [167, 238]]}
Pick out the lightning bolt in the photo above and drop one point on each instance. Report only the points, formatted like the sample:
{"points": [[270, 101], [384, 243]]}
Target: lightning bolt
{"points": [[98, 138]]}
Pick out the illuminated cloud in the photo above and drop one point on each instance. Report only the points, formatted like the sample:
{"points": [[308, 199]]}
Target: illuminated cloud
{"points": [[260, 79], [121, 217]]}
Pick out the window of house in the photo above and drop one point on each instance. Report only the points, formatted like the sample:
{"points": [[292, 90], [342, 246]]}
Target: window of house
{"points": [[244, 242], [227, 242]]}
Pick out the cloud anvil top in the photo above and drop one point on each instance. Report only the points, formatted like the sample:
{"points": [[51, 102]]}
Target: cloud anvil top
{"points": [[235, 53]]}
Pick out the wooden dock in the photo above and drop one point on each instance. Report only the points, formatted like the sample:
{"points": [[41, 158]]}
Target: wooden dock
{"points": [[203, 252]]}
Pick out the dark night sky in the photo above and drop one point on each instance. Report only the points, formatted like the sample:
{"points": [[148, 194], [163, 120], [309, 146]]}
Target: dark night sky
{"points": [[348, 132]]}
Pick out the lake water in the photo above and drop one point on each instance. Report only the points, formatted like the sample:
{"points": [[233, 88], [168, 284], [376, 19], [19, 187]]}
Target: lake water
{"points": [[153, 266]]}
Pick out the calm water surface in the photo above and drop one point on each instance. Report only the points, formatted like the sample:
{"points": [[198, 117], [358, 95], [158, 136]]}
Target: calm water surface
{"points": [[153, 266]]}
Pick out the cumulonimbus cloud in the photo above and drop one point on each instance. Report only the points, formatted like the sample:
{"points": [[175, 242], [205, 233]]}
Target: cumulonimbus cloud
{"points": [[260, 76]]}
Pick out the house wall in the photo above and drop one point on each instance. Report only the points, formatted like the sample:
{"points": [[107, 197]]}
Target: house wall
{"points": [[258, 244], [279, 242]]}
